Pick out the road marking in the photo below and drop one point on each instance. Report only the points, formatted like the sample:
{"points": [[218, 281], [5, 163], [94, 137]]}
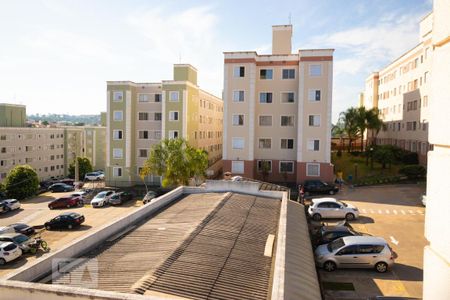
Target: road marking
{"points": [[371, 211], [395, 212], [393, 240], [364, 210], [380, 212], [387, 211], [411, 212], [420, 212], [403, 212]]}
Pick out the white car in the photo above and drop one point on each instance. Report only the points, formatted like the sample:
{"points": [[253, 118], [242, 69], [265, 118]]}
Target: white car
{"points": [[9, 252], [10, 204], [322, 208], [237, 178], [94, 176], [6, 229], [101, 199]]}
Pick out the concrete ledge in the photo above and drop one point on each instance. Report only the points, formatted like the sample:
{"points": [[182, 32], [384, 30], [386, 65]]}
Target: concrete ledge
{"points": [[83, 244], [242, 187]]}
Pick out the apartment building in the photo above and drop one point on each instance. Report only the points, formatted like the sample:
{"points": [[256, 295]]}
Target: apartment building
{"points": [[277, 108], [140, 115], [437, 253], [401, 91], [12, 115]]}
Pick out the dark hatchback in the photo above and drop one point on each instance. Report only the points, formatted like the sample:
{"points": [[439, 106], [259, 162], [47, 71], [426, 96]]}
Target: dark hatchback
{"points": [[60, 187], [327, 234], [120, 197], [23, 228], [318, 187], [66, 220]]}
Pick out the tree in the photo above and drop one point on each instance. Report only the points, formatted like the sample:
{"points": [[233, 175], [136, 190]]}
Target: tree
{"points": [[349, 119], [338, 130], [383, 155], [21, 182], [374, 124], [84, 167], [176, 161], [264, 169], [45, 122]]}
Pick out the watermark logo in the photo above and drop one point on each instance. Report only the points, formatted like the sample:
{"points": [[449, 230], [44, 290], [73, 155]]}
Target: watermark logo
{"points": [[77, 272]]}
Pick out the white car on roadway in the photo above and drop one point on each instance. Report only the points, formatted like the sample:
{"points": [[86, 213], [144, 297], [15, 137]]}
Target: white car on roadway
{"points": [[101, 199], [10, 204], [8, 252], [94, 176], [322, 208]]}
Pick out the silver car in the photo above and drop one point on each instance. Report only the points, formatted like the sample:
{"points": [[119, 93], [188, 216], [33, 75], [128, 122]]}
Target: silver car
{"points": [[322, 208], [355, 252]]}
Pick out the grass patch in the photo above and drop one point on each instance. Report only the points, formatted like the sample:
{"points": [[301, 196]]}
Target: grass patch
{"points": [[338, 286]]}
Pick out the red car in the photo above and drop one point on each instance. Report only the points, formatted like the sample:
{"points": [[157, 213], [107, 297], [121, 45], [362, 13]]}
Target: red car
{"points": [[68, 202]]}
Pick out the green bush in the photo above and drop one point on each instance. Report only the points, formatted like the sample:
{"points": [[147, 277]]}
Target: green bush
{"points": [[21, 182], [413, 171]]}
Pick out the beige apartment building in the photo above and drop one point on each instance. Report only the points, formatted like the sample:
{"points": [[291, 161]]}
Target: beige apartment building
{"points": [[401, 91], [277, 108], [140, 115]]}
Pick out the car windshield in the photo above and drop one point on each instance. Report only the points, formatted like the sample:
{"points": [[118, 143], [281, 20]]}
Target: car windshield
{"points": [[101, 195], [20, 239], [10, 247], [20, 226], [336, 244], [324, 183]]}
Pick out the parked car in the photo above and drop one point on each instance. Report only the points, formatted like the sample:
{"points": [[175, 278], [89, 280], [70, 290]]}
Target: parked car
{"points": [[10, 204], [6, 229], [120, 197], [68, 202], [67, 181], [311, 187], [331, 208], [67, 220], [94, 176], [327, 234], [149, 197], [101, 199], [237, 178], [19, 239], [355, 252], [60, 187], [22, 228], [9, 252]]}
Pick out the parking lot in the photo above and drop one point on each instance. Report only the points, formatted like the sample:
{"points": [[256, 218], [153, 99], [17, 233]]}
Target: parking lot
{"points": [[35, 212], [396, 214]]}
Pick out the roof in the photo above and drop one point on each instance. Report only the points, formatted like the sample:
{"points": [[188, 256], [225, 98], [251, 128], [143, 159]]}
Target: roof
{"points": [[364, 239], [320, 200]]}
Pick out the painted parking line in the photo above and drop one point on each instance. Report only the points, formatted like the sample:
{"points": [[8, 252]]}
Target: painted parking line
{"points": [[387, 211], [380, 212], [420, 212], [411, 212], [395, 212], [363, 210], [403, 212]]}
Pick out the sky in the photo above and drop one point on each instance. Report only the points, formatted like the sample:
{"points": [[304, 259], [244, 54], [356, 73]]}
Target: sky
{"points": [[56, 55]]}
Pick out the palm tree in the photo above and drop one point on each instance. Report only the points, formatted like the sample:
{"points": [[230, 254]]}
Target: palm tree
{"points": [[374, 124], [362, 117], [349, 119]]}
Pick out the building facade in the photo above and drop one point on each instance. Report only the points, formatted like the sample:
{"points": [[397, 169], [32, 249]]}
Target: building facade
{"points": [[277, 112], [401, 92], [437, 253], [12, 115], [140, 115]]}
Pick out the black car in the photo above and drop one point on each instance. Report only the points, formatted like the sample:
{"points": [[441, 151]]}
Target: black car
{"points": [[60, 187], [67, 220], [318, 187], [328, 234], [23, 228], [120, 197]]}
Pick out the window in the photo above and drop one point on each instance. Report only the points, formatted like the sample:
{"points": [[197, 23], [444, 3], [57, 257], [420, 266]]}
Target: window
{"points": [[260, 165], [2, 163], [118, 96], [3, 150], [173, 115], [349, 250], [144, 97], [313, 145], [143, 153], [3, 137], [315, 70], [237, 167], [117, 172], [314, 95], [312, 169], [157, 117], [265, 143], [238, 96], [143, 134], [288, 74], [117, 153], [266, 74], [174, 95], [143, 116], [239, 71], [287, 121], [117, 134], [157, 135], [237, 143], [425, 77], [286, 167], [118, 115], [265, 97], [265, 120], [287, 143], [314, 120], [157, 97], [173, 134], [288, 97], [238, 120]]}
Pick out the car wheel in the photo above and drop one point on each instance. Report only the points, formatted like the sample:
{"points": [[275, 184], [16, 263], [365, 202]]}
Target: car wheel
{"points": [[331, 192], [329, 266], [2, 261], [51, 207], [349, 217], [316, 217], [381, 267], [68, 205], [7, 209], [80, 203], [48, 227], [69, 226]]}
